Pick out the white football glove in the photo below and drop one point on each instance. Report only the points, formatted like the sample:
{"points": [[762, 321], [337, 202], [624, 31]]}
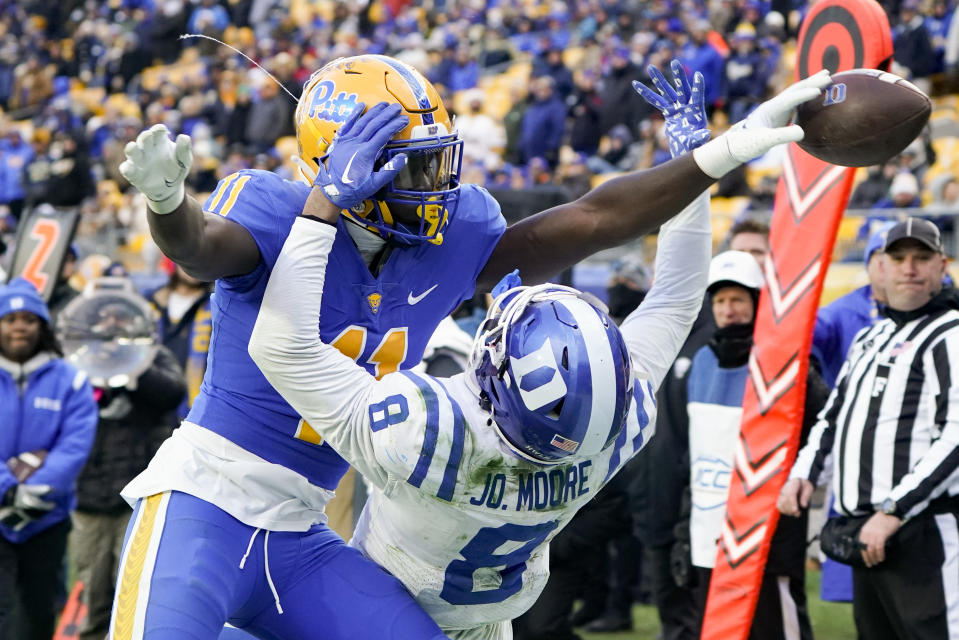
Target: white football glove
{"points": [[30, 497], [764, 128], [157, 167]]}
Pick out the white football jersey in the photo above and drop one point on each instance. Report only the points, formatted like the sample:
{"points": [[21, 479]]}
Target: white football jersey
{"points": [[462, 521]]}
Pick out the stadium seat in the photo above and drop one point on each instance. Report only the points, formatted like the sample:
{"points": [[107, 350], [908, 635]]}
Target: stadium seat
{"points": [[841, 278], [754, 175]]}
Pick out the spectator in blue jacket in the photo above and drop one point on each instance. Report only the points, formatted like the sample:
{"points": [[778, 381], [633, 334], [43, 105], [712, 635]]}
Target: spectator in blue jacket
{"points": [[697, 54], [47, 422], [463, 72], [209, 18], [541, 131], [838, 322], [746, 73], [15, 154]]}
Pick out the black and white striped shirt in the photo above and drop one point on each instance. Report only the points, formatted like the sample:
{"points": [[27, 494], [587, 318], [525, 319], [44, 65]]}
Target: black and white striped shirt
{"points": [[891, 424]]}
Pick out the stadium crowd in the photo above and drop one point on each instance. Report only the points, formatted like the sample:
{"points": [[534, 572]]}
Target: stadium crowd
{"points": [[542, 93]]}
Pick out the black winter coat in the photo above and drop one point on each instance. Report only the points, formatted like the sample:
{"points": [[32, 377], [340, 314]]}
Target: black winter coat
{"points": [[657, 487], [132, 426]]}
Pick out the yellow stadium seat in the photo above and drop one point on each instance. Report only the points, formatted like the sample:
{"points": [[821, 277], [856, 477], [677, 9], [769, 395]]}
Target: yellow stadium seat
{"points": [[720, 227], [519, 71], [946, 150], [572, 57], [755, 175], [841, 278], [729, 206]]}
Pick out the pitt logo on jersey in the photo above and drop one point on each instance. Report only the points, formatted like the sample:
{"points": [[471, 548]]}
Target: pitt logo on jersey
{"points": [[374, 300]]}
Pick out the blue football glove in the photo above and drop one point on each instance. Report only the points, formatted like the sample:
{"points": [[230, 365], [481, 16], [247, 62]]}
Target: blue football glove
{"points": [[683, 107], [348, 177]]}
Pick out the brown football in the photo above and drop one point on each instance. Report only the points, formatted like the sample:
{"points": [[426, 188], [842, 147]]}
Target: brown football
{"points": [[863, 118]]}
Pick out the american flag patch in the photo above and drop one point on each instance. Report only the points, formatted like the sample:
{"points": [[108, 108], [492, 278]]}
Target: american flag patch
{"points": [[900, 348], [564, 443]]}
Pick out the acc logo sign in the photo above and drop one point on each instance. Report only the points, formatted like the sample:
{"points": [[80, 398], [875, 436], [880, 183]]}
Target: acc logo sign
{"points": [[710, 482], [537, 377], [325, 106]]}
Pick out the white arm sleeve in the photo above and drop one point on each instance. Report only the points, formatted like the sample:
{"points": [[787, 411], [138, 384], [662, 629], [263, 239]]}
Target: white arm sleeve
{"points": [[325, 387], [656, 330]]}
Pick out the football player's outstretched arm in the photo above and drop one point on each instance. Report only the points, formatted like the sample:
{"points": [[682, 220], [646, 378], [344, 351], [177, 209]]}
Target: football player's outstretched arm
{"points": [[207, 246], [631, 205], [656, 330]]}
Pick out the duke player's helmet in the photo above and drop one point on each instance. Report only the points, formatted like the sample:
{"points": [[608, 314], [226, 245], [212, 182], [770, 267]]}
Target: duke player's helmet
{"points": [[555, 371], [421, 200]]}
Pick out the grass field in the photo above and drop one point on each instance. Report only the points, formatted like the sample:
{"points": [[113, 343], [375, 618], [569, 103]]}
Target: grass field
{"points": [[830, 620]]}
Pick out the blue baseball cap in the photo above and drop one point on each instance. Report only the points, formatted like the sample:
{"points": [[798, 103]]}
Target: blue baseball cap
{"points": [[21, 295], [877, 241]]}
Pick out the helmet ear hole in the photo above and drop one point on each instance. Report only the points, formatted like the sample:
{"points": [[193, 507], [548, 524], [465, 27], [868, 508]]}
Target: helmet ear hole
{"points": [[557, 409], [565, 360]]}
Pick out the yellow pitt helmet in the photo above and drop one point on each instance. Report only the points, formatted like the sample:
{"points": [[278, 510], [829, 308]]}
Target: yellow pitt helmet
{"points": [[418, 204]]}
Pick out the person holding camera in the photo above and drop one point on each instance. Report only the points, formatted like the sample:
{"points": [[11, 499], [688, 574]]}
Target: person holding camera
{"points": [[139, 385], [891, 427], [47, 422]]}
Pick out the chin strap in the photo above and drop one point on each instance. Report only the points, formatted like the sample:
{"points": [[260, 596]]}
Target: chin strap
{"points": [[307, 174]]}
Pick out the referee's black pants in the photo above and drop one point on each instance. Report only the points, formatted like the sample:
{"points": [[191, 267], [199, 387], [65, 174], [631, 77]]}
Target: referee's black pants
{"points": [[914, 593]]}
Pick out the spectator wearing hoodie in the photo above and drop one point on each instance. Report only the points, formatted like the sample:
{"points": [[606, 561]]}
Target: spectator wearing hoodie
{"points": [[617, 153], [944, 192], [544, 122], [746, 73], [875, 187], [49, 418], [698, 54], [550, 63], [584, 111], [619, 104], [15, 154], [913, 45], [903, 192]]}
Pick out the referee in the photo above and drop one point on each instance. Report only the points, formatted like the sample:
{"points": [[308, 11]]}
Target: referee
{"points": [[891, 428]]}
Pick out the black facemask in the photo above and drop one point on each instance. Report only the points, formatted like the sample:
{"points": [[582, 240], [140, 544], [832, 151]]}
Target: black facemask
{"points": [[623, 299], [732, 343]]}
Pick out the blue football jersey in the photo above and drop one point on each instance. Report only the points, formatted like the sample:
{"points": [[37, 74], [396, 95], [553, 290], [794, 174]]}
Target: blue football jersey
{"points": [[383, 322]]}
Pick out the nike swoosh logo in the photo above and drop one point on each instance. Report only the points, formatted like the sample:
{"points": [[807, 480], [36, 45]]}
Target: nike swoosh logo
{"points": [[415, 299], [346, 172]]}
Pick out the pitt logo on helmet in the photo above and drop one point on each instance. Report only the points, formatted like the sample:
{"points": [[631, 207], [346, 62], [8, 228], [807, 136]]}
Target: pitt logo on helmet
{"points": [[421, 201], [323, 104]]}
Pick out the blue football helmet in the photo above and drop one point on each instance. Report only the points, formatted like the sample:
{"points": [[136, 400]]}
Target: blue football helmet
{"points": [[554, 371]]}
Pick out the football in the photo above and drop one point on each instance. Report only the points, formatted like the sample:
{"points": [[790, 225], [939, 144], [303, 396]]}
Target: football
{"points": [[863, 118]]}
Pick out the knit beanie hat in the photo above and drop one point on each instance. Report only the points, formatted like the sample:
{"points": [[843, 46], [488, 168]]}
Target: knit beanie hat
{"points": [[20, 295]]}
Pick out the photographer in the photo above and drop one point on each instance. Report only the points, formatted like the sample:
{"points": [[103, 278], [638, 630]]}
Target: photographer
{"points": [[111, 333]]}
